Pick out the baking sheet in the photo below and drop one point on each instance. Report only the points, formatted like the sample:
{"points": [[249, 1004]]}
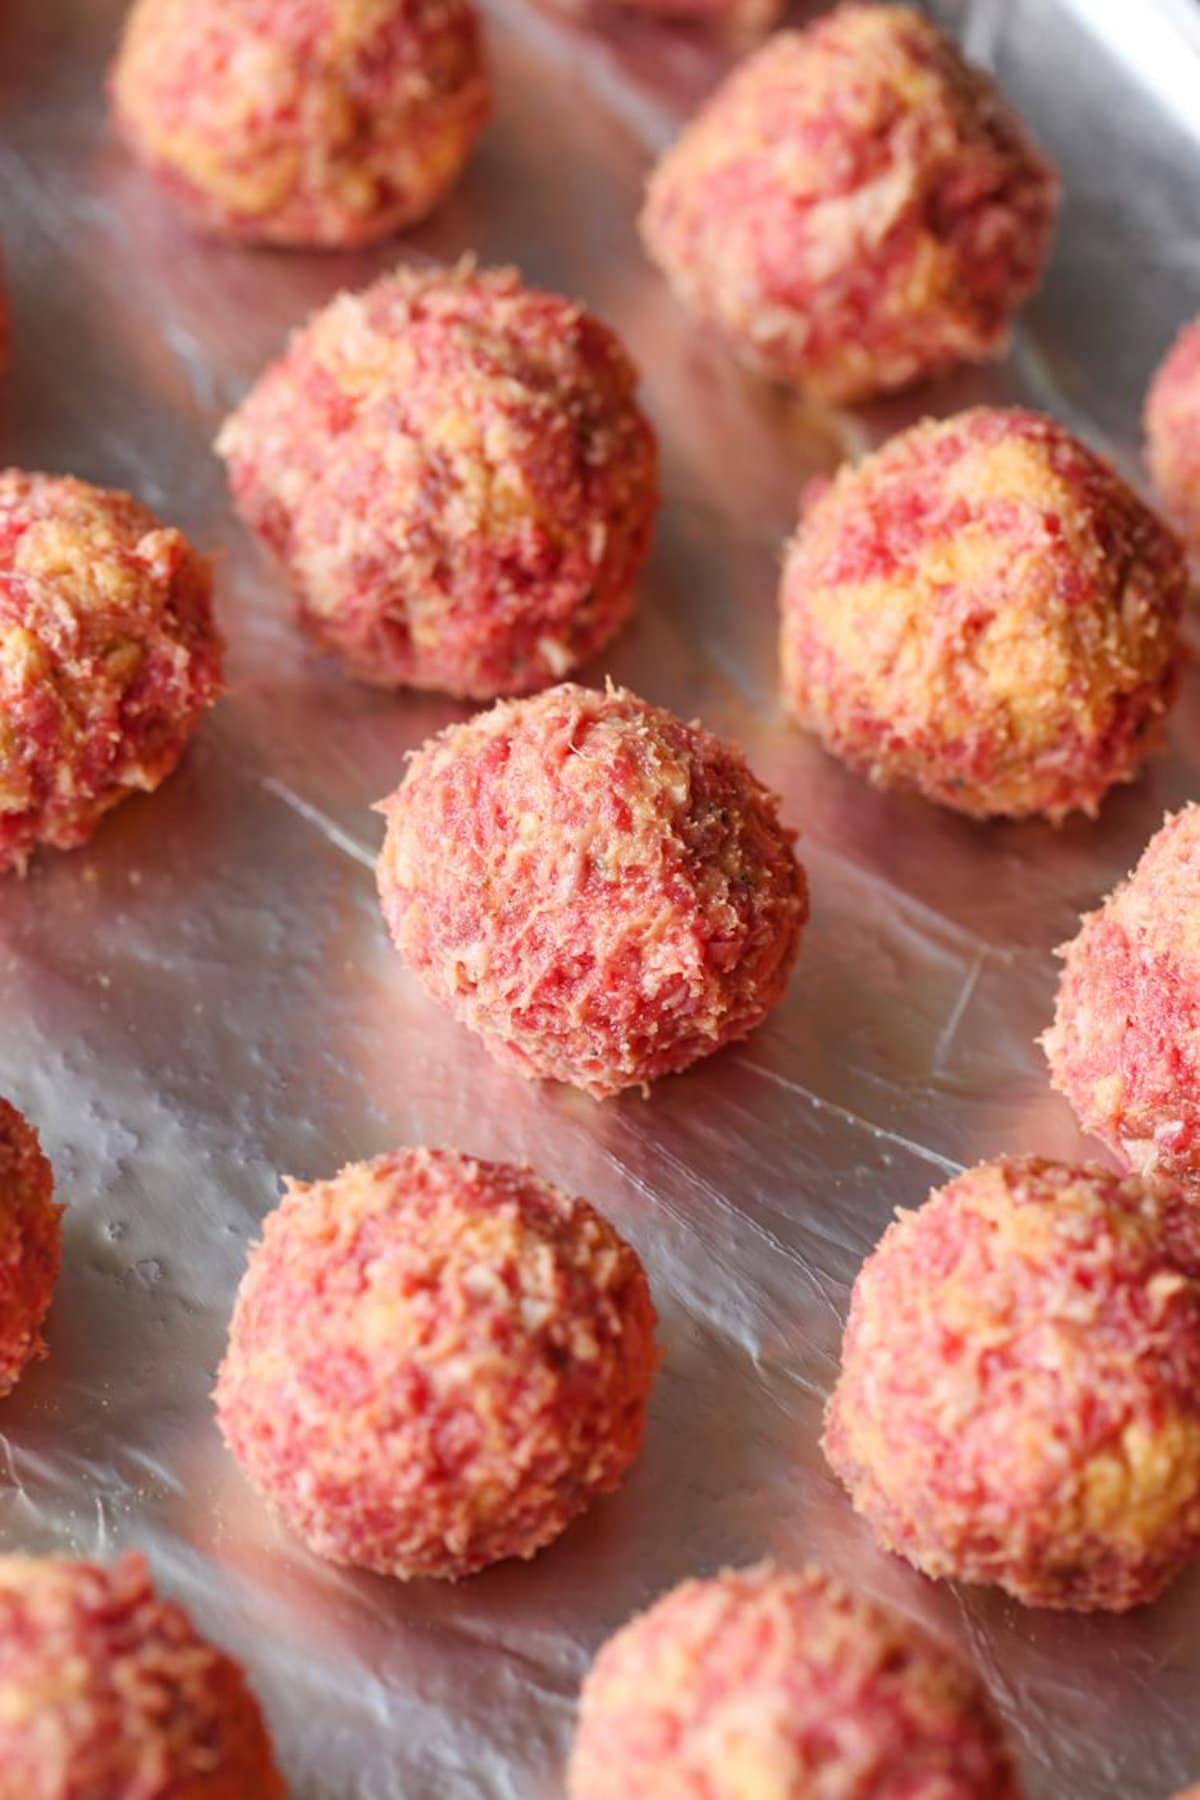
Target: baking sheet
{"points": [[205, 996]]}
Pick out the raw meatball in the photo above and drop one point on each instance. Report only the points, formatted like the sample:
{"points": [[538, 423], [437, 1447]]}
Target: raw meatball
{"points": [[1124, 1046], [454, 472], [783, 1687], [109, 656], [108, 1693], [30, 1245], [435, 1363], [328, 123], [855, 208], [1173, 432], [1019, 1399], [604, 893], [984, 612]]}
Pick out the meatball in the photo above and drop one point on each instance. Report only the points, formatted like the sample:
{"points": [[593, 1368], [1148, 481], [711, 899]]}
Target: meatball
{"points": [[984, 612], [325, 124], [604, 893], [1019, 1398], [109, 656], [1123, 1048], [30, 1245], [765, 1683], [456, 477], [109, 1693], [855, 208], [1172, 424], [435, 1363]]}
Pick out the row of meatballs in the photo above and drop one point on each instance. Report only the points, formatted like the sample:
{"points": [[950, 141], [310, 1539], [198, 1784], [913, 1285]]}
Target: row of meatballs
{"points": [[453, 474], [855, 208], [435, 1363]]}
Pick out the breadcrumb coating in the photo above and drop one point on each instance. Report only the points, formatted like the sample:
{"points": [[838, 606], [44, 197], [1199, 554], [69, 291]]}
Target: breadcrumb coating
{"points": [[765, 1685], [318, 123], [1019, 1398], [30, 1245], [984, 612], [454, 472], [435, 1363], [109, 656], [604, 893], [109, 1693], [1124, 1047], [855, 208]]}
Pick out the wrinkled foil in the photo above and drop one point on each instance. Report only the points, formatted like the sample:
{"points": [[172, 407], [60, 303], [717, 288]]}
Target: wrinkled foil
{"points": [[205, 996]]}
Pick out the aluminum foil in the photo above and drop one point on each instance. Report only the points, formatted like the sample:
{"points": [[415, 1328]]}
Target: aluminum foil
{"points": [[206, 997]]}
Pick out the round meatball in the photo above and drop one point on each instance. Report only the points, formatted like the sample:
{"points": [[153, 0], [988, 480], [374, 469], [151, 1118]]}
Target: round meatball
{"points": [[1124, 1048], [30, 1245], [107, 1692], [109, 656], [324, 124], [604, 893], [854, 208], [983, 612], [1019, 1398], [456, 477], [1173, 432], [788, 1686], [435, 1363]]}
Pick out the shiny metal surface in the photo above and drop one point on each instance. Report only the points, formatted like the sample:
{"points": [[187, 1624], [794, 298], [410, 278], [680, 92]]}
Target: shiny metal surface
{"points": [[205, 996]]}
